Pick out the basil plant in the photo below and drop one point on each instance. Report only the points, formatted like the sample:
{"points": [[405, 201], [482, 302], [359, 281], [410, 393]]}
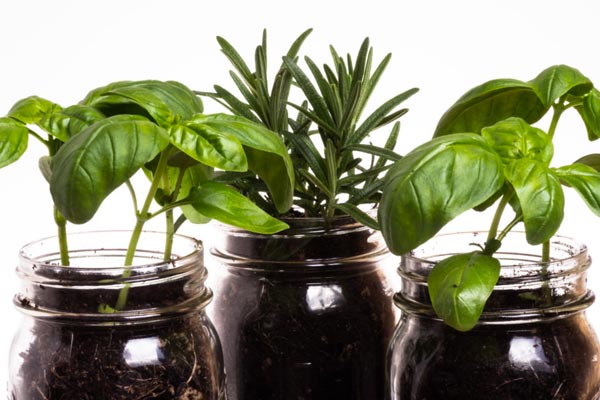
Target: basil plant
{"points": [[156, 127], [485, 152]]}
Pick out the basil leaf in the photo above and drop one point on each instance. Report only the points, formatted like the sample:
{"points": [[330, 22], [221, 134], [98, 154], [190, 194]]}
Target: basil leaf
{"points": [[540, 196], [559, 80], [433, 184], [14, 137], [460, 285], [167, 103], [592, 160], [87, 168], [493, 101], [69, 121], [209, 146], [32, 110], [589, 111], [585, 180], [266, 153], [513, 138], [223, 203]]}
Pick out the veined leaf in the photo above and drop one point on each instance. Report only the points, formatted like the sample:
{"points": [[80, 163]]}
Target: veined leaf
{"points": [[559, 80], [223, 203], [87, 168], [66, 122], [460, 285], [493, 101], [167, 102], [209, 146], [266, 153], [592, 160], [32, 110], [14, 137], [585, 180], [433, 184], [590, 113], [513, 138], [540, 196]]}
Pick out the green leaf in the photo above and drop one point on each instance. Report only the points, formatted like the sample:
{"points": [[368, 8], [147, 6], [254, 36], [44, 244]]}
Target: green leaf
{"points": [[592, 160], [358, 215], [382, 152], [540, 196], [32, 110], [209, 146], [223, 203], [64, 123], [433, 184], [590, 113], [266, 153], [14, 137], [87, 168], [559, 80], [460, 285], [513, 138], [585, 180], [167, 102], [493, 101]]}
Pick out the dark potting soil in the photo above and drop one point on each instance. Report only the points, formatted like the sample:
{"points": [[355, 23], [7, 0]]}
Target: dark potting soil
{"points": [[553, 360], [171, 360]]}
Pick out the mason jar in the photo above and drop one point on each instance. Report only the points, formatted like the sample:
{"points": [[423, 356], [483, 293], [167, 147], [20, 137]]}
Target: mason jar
{"points": [[74, 344], [303, 314], [533, 341]]}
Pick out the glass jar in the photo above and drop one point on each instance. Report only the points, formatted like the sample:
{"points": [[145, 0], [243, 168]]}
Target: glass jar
{"points": [[161, 345], [533, 341], [304, 314]]}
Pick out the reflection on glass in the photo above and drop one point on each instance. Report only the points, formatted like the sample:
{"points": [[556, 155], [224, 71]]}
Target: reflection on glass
{"points": [[141, 352], [324, 298], [527, 353]]}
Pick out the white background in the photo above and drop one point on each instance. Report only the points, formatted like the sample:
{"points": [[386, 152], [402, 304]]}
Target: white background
{"points": [[60, 49]]}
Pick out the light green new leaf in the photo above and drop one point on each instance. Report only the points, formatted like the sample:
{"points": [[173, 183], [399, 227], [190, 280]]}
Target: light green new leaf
{"points": [[433, 184], [513, 138], [493, 101], [87, 168], [585, 180], [559, 80], [167, 102], [209, 146], [223, 203], [32, 110], [14, 137], [540, 196], [266, 153], [460, 285]]}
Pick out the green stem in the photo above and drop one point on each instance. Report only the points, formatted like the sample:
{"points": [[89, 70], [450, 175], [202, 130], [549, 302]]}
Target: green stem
{"points": [[558, 110], [545, 254], [61, 224], [141, 217], [498, 215], [170, 221]]}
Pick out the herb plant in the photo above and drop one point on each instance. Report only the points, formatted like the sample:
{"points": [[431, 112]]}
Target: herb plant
{"points": [[485, 151], [156, 127], [326, 133]]}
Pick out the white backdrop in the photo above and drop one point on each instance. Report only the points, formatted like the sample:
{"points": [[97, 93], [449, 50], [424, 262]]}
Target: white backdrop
{"points": [[60, 49]]}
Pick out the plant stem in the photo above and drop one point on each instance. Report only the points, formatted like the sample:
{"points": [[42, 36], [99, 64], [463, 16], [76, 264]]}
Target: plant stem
{"points": [[141, 217], [498, 216], [61, 224]]}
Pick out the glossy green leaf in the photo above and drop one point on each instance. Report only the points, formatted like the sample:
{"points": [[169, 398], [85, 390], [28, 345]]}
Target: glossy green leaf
{"points": [[592, 160], [209, 146], [585, 180], [266, 153], [513, 138], [69, 121], [559, 80], [493, 101], [14, 137], [87, 168], [540, 196], [590, 113], [223, 203], [433, 184], [460, 285], [32, 110], [167, 102]]}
